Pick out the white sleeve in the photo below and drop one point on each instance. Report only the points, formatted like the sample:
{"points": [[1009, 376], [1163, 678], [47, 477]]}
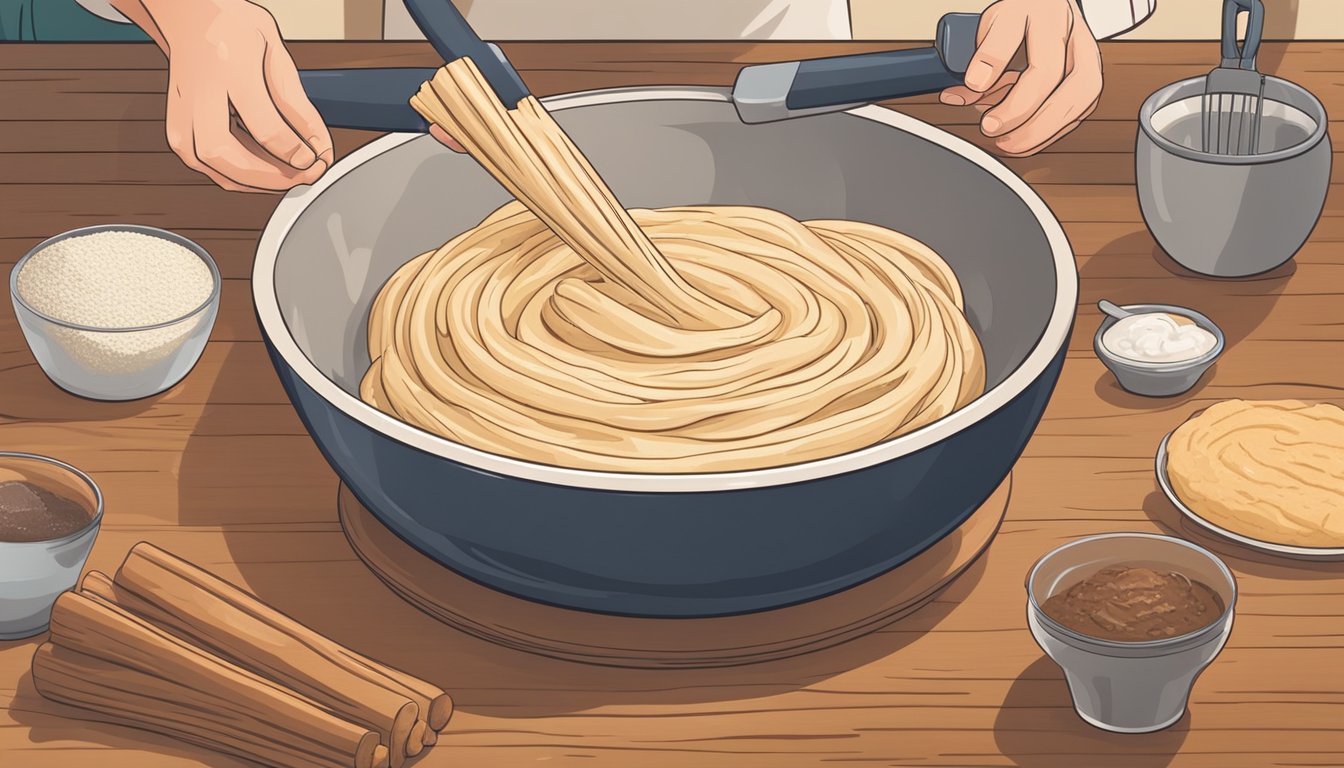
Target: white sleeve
{"points": [[104, 9], [1109, 18]]}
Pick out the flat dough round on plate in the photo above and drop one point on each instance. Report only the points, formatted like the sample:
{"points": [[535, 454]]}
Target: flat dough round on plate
{"points": [[1269, 470]]}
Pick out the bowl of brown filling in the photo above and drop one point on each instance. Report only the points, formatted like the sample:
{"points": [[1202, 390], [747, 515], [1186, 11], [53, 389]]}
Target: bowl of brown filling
{"points": [[49, 515], [1132, 619]]}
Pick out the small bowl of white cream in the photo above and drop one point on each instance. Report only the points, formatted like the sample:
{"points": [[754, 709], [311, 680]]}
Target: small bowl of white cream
{"points": [[1157, 350]]}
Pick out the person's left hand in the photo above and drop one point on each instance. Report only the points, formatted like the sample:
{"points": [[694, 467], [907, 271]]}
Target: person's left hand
{"points": [[1026, 112], [445, 139], [226, 58]]}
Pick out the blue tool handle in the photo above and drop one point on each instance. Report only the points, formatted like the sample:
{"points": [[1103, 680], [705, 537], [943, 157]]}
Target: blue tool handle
{"points": [[868, 77], [367, 99], [453, 38], [1243, 57]]}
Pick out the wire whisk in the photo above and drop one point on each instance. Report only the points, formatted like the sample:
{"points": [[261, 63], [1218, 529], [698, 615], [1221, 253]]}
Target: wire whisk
{"points": [[1234, 92]]}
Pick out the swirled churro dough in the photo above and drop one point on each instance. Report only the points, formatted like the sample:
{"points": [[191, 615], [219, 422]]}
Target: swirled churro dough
{"points": [[1269, 470], [566, 330]]}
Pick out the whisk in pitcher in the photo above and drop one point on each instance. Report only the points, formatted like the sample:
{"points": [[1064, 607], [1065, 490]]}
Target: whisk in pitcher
{"points": [[1234, 92], [1233, 167]]}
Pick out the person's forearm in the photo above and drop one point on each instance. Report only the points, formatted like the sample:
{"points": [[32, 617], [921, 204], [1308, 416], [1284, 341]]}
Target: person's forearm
{"points": [[157, 18]]}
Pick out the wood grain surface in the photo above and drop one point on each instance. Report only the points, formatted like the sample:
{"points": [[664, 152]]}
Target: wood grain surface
{"points": [[220, 470]]}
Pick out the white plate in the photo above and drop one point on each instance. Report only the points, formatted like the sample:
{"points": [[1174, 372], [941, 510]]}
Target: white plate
{"points": [[1283, 550]]}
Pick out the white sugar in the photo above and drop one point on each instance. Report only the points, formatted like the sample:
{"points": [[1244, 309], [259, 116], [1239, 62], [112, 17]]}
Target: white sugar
{"points": [[115, 280]]}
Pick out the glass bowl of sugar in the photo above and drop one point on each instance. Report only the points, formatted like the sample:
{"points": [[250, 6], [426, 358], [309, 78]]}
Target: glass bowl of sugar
{"points": [[116, 311]]}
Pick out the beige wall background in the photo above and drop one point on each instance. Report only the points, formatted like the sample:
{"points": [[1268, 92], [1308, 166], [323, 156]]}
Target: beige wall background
{"points": [[327, 19], [871, 19], [1174, 19]]}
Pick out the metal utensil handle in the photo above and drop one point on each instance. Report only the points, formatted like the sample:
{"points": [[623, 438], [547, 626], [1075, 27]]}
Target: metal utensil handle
{"points": [[453, 38], [1243, 56], [867, 77]]}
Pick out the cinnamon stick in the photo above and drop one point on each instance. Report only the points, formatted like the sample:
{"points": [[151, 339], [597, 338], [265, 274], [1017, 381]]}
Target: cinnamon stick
{"points": [[261, 648], [415, 743], [104, 659], [190, 597]]}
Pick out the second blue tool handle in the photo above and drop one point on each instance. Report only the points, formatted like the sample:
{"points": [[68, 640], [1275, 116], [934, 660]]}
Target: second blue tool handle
{"points": [[868, 77]]}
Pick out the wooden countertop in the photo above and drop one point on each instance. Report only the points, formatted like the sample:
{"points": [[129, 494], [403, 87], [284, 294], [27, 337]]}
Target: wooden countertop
{"points": [[220, 469]]}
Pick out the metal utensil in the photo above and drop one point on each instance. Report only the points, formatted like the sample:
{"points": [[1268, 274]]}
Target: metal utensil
{"points": [[1119, 313], [1234, 92]]}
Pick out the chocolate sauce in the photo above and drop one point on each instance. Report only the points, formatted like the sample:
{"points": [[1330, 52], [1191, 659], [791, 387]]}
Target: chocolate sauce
{"points": [[1135, 604], [30, 512]]}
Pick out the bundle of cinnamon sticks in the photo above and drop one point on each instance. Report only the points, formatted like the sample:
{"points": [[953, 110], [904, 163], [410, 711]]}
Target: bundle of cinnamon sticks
{"points": [[170, 648]]}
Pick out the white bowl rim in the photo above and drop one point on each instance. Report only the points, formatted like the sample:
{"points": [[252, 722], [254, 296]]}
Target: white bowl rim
{"points": [[1303, 100], [1042, 354]]}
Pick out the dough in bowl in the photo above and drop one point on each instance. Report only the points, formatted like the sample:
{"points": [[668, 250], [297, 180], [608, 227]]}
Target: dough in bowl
{"points": [[1269, 470]]}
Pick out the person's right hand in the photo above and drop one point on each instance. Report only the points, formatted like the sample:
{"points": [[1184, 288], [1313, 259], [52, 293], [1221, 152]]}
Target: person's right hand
{"points": [[226, 59], [1025, 112]]}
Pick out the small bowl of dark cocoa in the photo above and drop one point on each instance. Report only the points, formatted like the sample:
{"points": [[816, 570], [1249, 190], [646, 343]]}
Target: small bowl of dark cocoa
{"points": [[49, 516], [1132, 619]]}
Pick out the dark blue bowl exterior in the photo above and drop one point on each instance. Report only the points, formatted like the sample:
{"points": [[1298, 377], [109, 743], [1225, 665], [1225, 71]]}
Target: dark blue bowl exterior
{"points": [[672, 554]]}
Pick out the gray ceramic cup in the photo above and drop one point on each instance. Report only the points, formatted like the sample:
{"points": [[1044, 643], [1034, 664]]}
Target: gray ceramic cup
{"points": [[34, 573], [1159, 379], [1232, 215], [1129, 687]]}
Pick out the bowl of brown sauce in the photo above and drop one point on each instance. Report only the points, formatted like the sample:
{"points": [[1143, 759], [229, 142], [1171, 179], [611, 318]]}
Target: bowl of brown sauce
{"points": [[1132, 619], [49, 516]]}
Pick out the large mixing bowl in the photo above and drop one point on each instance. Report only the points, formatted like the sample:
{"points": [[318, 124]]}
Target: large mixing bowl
{"points": [[688, 544]]}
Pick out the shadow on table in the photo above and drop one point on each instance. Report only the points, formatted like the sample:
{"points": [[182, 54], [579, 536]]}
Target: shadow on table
{"points": [[48, 721], [1241, 559], [1109, 390], [1134, 270], [290, 551], [30, 396], [1037, 726]]}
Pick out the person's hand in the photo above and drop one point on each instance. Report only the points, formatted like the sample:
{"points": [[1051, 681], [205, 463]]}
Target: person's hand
{"points": [[445, 139], [236, 110], [1059, 87]]}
